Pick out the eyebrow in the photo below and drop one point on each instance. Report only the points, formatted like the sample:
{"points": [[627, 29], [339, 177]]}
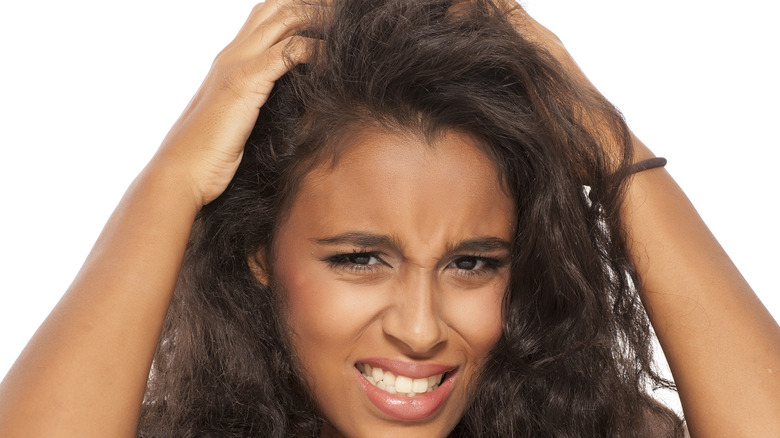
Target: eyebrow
{"points": [[371, 240], [480, 244], [366, 240]]}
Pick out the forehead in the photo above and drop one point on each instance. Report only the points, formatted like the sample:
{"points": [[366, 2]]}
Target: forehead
{"points": [[402, 185]]}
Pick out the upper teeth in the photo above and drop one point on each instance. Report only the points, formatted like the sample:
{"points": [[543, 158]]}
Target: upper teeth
{"points": [[387, 381]]}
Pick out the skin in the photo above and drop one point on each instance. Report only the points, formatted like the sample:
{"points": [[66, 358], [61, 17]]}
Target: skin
{"points": [[418, 294], [83, 373], [721, 343]]}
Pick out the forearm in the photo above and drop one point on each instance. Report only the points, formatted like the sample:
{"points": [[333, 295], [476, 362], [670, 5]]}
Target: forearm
{"points": [[84, 371], [722, 345]]}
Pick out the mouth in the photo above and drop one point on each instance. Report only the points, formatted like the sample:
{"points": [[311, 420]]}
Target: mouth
{"points": [[409, 392], [398, 384]]}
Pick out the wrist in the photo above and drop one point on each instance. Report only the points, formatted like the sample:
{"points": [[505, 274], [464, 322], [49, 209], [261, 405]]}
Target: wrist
{"points": [[163, 179]]}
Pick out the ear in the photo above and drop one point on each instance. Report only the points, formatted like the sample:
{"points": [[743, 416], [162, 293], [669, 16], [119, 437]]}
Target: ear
{"points": [[258, 264]]}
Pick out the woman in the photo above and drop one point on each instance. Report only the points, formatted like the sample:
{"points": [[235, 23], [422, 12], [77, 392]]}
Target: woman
{"points": [[491, 152]]}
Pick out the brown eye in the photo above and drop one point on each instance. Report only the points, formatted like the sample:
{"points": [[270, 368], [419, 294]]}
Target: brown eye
{"points": [[356, 261], [362, 259], [469, 263]]}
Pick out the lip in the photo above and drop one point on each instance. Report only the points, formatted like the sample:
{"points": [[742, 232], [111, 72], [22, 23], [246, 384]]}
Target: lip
{"points": [[414, 408]]}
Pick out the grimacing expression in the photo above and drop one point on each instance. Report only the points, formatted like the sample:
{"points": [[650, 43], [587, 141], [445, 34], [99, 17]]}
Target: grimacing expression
{"points": [[394, 261]]}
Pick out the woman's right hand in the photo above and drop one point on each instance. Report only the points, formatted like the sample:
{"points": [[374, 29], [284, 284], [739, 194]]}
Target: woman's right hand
{"points": [[84, 372], [206, 144]]}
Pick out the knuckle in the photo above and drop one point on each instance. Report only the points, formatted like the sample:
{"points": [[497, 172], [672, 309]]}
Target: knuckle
{"points": [[257, 8], [289, 13], [223, 60]]}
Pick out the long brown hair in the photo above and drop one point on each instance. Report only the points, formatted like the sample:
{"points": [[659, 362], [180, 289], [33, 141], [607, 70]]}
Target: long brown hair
{"points": [[575, 357]]}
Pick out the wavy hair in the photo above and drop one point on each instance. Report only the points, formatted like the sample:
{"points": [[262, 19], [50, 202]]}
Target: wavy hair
{"points": [[575, 357]]}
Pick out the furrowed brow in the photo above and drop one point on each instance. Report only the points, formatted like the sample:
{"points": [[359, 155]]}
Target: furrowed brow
{"points": [[480, 244], [364, 240]]}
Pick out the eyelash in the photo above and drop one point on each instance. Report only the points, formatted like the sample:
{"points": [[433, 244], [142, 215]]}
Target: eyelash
{"points": [[345, 261], [490, 265], [342, 261]]}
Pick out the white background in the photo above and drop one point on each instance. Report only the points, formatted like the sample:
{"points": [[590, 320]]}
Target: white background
{"points": [[88, 90]]}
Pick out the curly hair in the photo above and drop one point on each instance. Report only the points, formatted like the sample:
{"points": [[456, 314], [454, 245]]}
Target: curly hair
{"points": [[575, 356]]}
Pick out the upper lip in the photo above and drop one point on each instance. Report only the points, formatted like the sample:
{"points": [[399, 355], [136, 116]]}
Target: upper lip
{"points": [[415, 370]]}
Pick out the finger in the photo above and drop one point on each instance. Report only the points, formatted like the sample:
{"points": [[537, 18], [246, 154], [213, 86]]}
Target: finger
{"points": [[282, 24], [244, 59], [276, 61], [292, 13], [260, 12]]}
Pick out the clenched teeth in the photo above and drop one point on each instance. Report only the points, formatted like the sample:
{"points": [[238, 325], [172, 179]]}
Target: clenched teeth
{"points": [[387, 381]]}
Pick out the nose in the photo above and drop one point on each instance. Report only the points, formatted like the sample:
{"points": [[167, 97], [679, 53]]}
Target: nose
{"points": [[415, 319]]}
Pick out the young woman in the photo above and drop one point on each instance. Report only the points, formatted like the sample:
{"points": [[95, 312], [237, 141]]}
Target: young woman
{"points": [[410, 217]]}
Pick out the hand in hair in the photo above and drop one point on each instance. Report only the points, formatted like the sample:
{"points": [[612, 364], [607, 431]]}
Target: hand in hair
{"points": [[84, 372], [531, 29], [207, 141], [544, 37], [721, 343]]}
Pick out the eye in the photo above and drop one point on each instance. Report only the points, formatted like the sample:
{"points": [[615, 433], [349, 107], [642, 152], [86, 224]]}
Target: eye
{"points": [[471, 266], [362, 258], [468, 263], [356, 261]]}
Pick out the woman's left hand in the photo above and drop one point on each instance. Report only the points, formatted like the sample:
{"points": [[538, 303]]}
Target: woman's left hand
{"points": [[721, 343], [532, 30]]}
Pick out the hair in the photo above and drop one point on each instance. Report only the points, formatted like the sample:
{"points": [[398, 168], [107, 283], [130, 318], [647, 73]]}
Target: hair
{"points": [[575, 356]]}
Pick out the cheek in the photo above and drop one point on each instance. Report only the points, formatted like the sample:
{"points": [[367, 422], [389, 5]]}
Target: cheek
{"points": [[309, 308], [320, 309], [325, 317], [478, 319]]}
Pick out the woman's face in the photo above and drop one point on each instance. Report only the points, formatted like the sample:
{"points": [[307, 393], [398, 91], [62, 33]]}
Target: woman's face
{"points": [[394, 262]]}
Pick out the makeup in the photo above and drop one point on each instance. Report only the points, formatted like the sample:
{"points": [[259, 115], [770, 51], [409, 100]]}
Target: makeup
{"points": [[403, 405], [394, 264]]}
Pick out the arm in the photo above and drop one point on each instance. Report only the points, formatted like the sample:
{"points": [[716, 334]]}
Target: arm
{"points": [[85, 370], [722, 345]]}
